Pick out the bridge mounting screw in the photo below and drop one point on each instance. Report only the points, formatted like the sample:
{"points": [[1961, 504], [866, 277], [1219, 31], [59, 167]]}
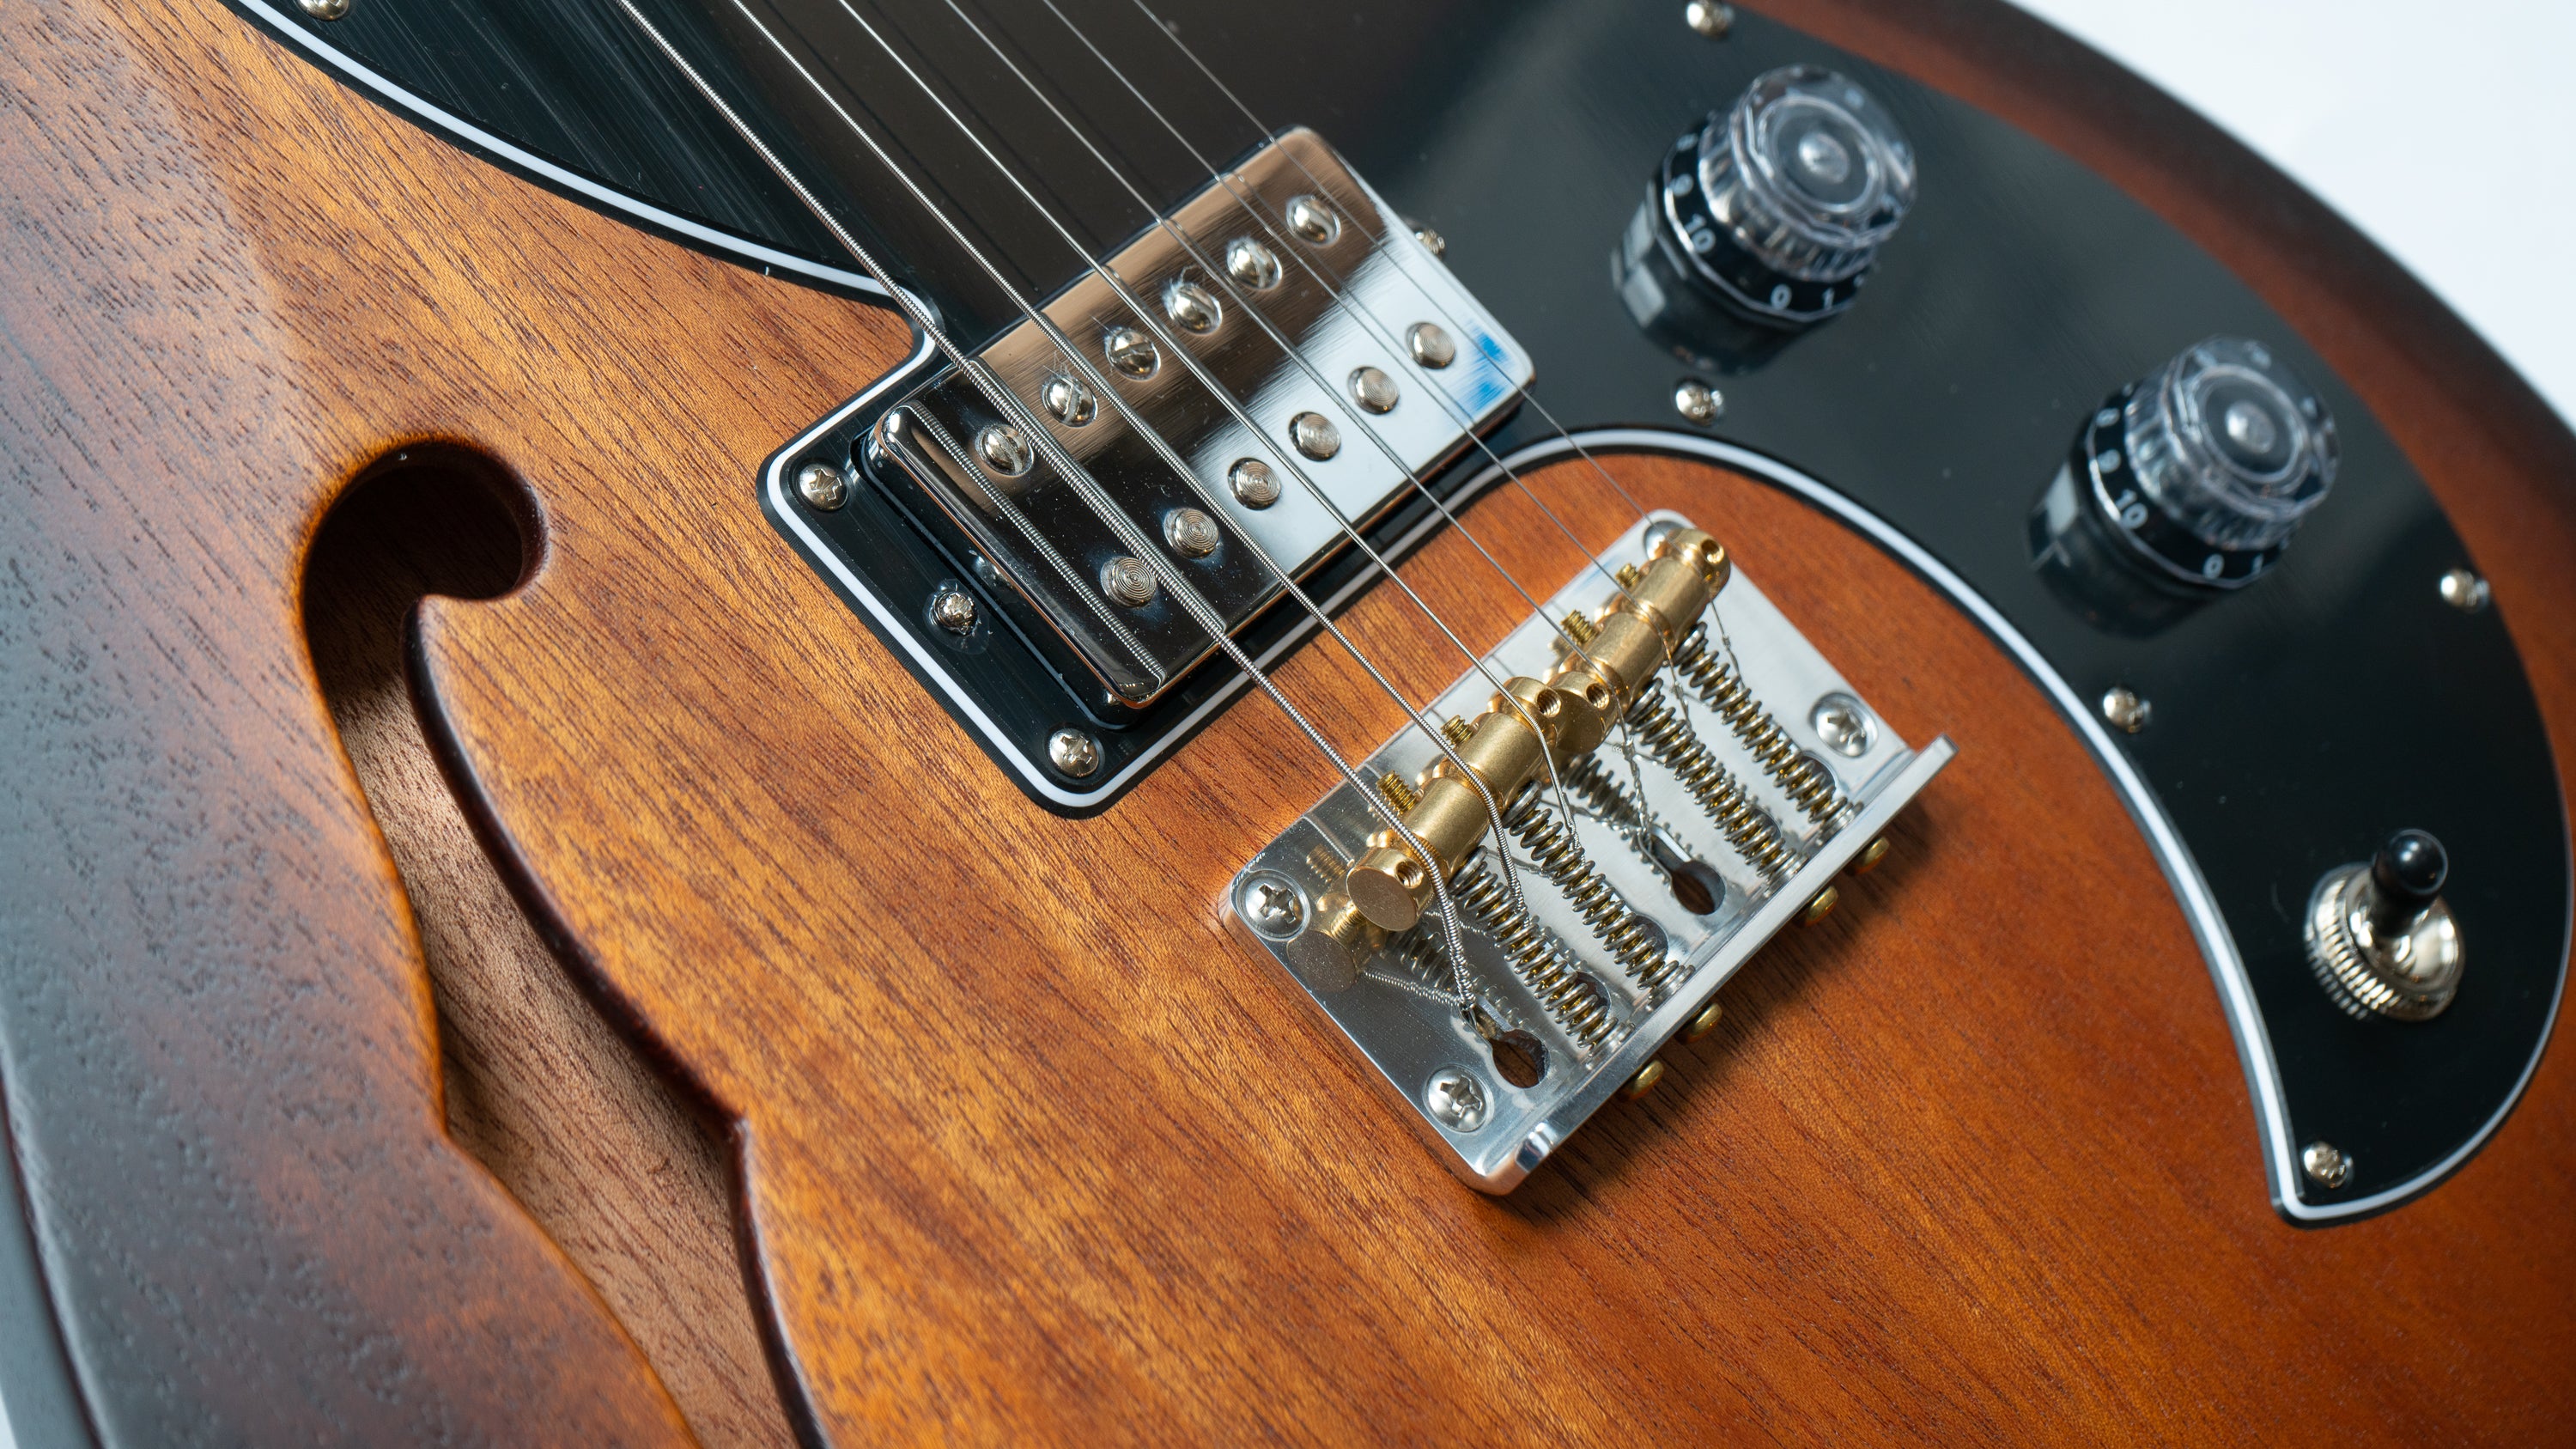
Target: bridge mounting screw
{"points": [[2463, 590], [1074, 752], [1697, 402], [1711, 18], [2326, 1165], [953, 609], [2126, 710], [1456, 1101], [1271, 906], [822, 486], [323, 9]]}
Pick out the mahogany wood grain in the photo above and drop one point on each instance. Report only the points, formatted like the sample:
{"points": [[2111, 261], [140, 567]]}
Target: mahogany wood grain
{"points": [[1030, 1149]]}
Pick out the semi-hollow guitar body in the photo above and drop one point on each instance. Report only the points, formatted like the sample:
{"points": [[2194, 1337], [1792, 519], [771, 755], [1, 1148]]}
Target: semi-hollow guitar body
{"points": [[597, 851]]}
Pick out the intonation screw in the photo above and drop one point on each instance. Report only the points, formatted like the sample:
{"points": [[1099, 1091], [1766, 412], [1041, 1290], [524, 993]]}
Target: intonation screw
{"points": [[1456, 1101], [1069, 402], [1311, 219], [1697, 402], [1004, 450], [1315, 435], [1430, 345], [953, 609], [1254, 265], [2463, 590], [1192, 307], [1711, 18], [2126, 711], [1644, 1082], [1254, 485], [1191, 534], [2326, 1165], [1074, 752], [1819, 906], [1869, 857], [1128, 580], [822, 486], [1704, 1023], [323, 9], [1131, 352], [1374, 390], [1270, 905]]}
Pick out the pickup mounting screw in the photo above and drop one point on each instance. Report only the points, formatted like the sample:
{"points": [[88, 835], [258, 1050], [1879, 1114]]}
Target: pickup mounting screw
{"points": [[1430, 345], [1432, 241], [1191, 534], [323, 9], [1128, 580], [1711, 18], [953, 609], [822, 486], [1254, 485], [1697, 402], [1069, 402], [1192, 307], [1004, 450], [2463, 590], [1270, 906], [1311, 219], [1074, 752], [1131, 352], [2126, 710], [1456, 1101], [1254, 265], [1374, 390], [1315, 435], [2325, 1165]]}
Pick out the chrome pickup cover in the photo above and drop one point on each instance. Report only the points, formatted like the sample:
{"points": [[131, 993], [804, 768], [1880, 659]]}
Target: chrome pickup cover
{"points": [[1396, 1003], [1371, 282]]}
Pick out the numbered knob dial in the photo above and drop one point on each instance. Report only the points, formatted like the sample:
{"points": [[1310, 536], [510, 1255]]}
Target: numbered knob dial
{"points": [[2206, 465], [1781, 202]]}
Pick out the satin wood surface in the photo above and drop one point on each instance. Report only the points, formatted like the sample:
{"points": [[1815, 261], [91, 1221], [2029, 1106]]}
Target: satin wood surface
{"points": [[1033, 1151]]}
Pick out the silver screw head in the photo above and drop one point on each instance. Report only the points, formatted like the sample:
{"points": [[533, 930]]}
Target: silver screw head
{"points": [[1254, 265], [1271, 905], [1129, 580], [1711, 18], [1191, 534], [953, 609], [1697, 402], [1844, 724], [1069, 402], [1457, 1101], [1430, 345], [1074, 752], [1191, 307], [2325, 1165], [2463, 590], [1314, 221], [1252, 482], [1004, 450], [323, 9], [1432, 241], [1131, 352], [1374, 390], [1315, 435], [2126, 711], [822, 486]]}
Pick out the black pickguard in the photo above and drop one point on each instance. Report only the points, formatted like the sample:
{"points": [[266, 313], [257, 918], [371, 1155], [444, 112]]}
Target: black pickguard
{"points": [[2022, 290]]}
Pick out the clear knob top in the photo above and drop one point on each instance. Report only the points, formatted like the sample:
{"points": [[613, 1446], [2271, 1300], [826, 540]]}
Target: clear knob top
{"points": [[2228, 442], [1808, 173]]}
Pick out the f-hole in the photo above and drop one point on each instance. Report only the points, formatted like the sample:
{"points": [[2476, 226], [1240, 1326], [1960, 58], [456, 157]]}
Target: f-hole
{"points": [[621, 1165]]}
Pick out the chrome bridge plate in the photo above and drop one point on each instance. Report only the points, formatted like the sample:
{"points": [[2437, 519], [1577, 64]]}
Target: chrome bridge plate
{"points": [[1396, 1005]]}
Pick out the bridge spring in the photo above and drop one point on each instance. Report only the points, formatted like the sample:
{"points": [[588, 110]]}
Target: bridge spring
{"points": [[1636, 946], [1718, 682], [1670, 740], [1578, 1006]]}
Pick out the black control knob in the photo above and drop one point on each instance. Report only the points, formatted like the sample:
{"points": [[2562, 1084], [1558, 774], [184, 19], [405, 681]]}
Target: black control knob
{"points": [[1774, 209]]}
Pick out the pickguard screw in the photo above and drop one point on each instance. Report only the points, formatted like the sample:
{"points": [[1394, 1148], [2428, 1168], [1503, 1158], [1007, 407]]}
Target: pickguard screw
{"points": [[1710, 17], [2126, 711], [1254, 485], [323, 9], [1271, 906], [1128, 580], [1430, 345], [2463, 590], [822, 486], [2326, 1165], [1697, 402], [953, 609], [1456, 1101], [1074, 752], [1315, 435]]}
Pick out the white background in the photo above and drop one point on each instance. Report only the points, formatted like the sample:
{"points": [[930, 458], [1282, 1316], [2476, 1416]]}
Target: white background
{"points": [[2444, 129]]}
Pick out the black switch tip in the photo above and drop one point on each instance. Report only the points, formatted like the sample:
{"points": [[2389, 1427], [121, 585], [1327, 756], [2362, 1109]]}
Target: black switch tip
{"points": [[2410, 869]]}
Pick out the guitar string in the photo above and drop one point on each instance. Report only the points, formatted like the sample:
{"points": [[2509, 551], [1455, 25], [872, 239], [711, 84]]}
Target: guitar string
{"points": [[1342, 403], [1007, 403], [1172, 459]]}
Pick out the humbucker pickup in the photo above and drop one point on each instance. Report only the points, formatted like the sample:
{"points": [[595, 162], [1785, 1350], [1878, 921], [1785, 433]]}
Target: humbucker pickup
{"points": [[1359, 365]]}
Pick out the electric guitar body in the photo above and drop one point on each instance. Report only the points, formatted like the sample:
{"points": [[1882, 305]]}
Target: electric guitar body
{"points": [[705, 741]]}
